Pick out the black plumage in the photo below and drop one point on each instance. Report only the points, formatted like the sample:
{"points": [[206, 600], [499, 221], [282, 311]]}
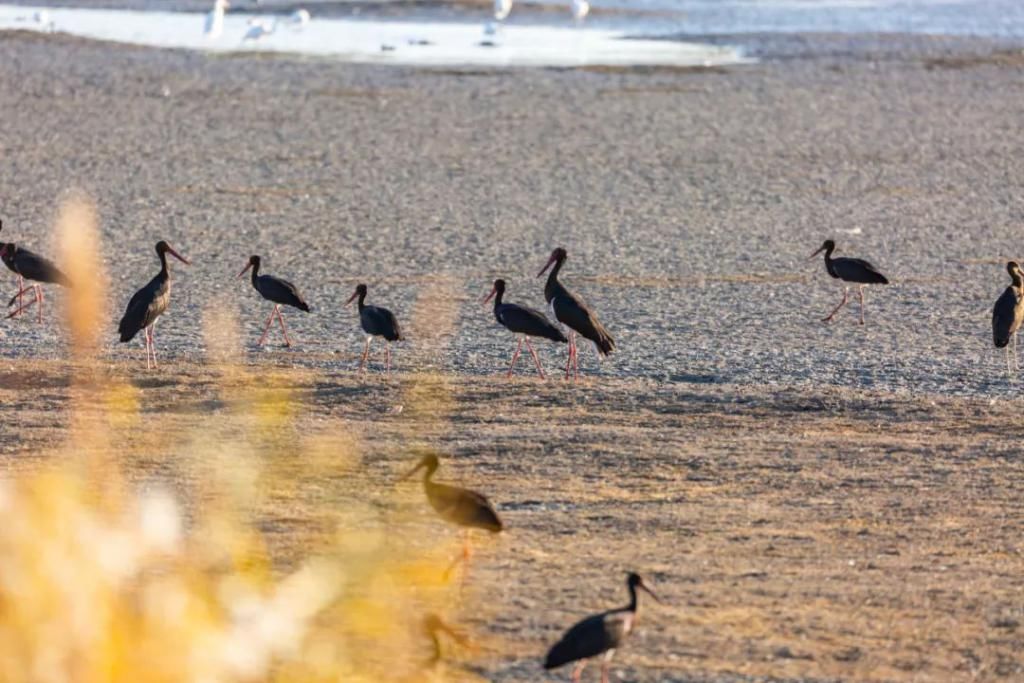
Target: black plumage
{"points": [[150, 302], [280, 292], [376, 322], [455, 505], [598, 634], [573, 312], [525, 322], [855, 270], [36, 269]]}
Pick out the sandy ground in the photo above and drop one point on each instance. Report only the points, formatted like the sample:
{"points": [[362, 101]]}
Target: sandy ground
{"points": [[814, 502], [833, 535]]}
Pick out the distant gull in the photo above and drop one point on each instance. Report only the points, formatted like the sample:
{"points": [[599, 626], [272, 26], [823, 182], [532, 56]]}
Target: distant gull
{"points": [[259, 28], [580, 9], [502, 8], [299, 18], [214, 25]]}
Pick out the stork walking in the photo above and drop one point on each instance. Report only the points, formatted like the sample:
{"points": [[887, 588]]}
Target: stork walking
{"points": [[855, 270], [571, 311], [1008, 313], [600, 634], [149, 303], [461, 507], [376, 322], [525, 322], [280, 292], [34, 268]]}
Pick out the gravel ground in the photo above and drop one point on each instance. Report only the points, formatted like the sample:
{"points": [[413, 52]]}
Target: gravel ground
{"points": [[688, 200], [815, 502]]}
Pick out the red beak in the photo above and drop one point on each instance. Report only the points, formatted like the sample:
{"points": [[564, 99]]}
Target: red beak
{"points": [[546, 266], [245, 270], [178, 256], [490, 296], [352, 298]]}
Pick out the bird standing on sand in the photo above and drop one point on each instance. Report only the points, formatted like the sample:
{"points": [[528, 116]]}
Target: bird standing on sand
{"points": [[149, 303], [502, 8], [458, 506], [299, 18], [853, 270], [278, 291], [259, 28], [1008, 313], [571, 311], [525, 322], [376, 322], [580, 9], [599, 634], [33, 267], [214, 25]]}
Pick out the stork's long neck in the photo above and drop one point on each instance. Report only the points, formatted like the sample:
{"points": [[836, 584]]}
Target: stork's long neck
{"points": [[497, 299], [552, 285], [164, 268], [362, 305], [828, 254], [1017, 282], [255, 273], [631, 607]]}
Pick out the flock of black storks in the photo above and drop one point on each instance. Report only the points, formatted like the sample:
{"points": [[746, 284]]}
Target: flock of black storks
{"points": [[598, 635], [152, 300]]}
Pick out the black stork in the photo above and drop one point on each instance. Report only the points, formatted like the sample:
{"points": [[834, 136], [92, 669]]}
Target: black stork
{"points": [[458, 506], [525, 322], [1008, 313], [35, 269], [277, 290], [855, 270], [599, 634], [376, 322], [147, 304], [571, 311]]}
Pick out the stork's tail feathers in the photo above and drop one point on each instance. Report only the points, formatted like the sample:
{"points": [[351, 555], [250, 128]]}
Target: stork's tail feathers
{"points": [[559, 654], [605, 343], [1001, 342], [302, 306], [882, 280]]}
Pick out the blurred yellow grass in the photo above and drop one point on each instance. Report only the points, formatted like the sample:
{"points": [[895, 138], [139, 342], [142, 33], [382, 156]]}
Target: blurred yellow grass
{"points": [[106, 579]]}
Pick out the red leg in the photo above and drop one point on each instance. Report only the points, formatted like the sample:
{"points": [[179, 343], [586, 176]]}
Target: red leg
{"points": [[21, 293], [846, 295], [387, 357], [280, 319], [39, 298], [577, 670], [535, 358], [266, 327], [568, 361], [515, 357], [860, 290], [575, 360], [366, 353], [152, 341], [149, 345]]}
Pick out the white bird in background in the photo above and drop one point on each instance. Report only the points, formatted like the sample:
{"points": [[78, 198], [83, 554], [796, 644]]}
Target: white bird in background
{"points": [[215, 19], [299, 18], [42, 18], [580, 9], [502, 8], [259, 28]]}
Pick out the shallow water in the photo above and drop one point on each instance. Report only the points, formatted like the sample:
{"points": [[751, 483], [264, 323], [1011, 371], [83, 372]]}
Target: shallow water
{"points": [[428, 44]]}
